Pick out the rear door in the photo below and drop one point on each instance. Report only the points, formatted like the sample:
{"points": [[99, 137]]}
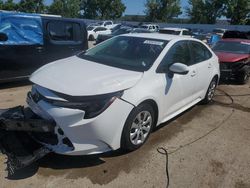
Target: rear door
{"points": [[64, 38], [201, 58]]}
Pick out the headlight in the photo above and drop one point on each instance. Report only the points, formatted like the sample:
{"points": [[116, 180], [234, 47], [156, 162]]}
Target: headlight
{"points": [[93, 105]]}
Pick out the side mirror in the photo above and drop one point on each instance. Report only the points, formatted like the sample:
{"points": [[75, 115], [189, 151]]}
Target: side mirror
{"points": [[179, 68], [3, 37]]}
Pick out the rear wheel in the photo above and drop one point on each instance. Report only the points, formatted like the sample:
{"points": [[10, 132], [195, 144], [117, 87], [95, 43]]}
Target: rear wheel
{"points": [[137, 127], [210, 92]]}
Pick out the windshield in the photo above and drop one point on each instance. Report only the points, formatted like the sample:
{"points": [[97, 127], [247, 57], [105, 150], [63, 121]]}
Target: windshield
{"points": [[233, 47], [130, 53], [121, 31], [171, 32]]}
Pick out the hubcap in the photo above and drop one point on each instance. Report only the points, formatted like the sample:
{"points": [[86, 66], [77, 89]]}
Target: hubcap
{"points": [[211, 90], [140, 128]]}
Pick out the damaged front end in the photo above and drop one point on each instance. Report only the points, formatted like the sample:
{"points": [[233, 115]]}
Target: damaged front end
{"points": [[26, 137]]}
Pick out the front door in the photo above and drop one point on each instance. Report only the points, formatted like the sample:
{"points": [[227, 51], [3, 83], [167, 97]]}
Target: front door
{"points": [[179, 89]]}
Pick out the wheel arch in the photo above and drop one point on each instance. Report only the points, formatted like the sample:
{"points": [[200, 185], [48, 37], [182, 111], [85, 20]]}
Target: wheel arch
{"points": [[154, 105]]}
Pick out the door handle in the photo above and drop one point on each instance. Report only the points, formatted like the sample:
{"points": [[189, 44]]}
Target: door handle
{"points": [[193, 73], [209, 65], [39, 48]]}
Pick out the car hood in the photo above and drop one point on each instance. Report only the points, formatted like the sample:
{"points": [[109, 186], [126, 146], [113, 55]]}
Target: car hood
{"points": [[78, 77], [230, 57]]}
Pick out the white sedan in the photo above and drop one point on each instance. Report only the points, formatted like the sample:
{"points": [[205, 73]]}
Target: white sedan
{"points": [[94, 31], [114, 94]]}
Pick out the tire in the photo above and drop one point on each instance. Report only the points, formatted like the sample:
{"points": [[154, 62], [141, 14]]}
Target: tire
{"points": [[136, 131], [210, 91], [91, 38], [243, 76]]}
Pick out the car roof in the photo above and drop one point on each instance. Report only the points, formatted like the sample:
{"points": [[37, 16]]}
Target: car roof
{"points": [[159, 36], [236, 40]]}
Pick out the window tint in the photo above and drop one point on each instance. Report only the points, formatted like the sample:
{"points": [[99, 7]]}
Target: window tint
{"points": [[100, 29], [186, 32], [200, 52], [64, 31], [109, 23], [179, 53]]}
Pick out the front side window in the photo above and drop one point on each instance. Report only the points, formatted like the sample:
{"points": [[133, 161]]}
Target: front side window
{"points": [[131, 53], [186, 32], [200, 52], [179, 53]]}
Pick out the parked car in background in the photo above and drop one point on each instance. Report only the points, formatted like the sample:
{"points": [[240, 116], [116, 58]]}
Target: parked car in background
{"points": [[236, 34], [234, 56], [28, 41], [94, 31], [176, 31], [107, 24], [150, 27], [123, 30], [113, 95]]}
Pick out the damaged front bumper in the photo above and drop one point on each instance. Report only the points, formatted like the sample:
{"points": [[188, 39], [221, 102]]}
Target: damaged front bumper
{"points": [[16, 140]]}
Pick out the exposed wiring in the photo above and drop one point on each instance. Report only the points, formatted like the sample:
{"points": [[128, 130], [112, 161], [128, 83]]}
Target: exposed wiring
{"points": [[163, 151]]}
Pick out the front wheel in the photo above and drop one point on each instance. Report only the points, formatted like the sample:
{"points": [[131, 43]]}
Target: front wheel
{"points": [[137, 127], [243, 75], [210, 92]]}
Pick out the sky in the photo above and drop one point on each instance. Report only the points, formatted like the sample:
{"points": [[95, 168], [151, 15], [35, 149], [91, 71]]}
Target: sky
{"points": [[137, 6]]}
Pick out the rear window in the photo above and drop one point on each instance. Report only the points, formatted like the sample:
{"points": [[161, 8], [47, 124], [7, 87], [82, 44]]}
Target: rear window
{"points": [[64, 31]]}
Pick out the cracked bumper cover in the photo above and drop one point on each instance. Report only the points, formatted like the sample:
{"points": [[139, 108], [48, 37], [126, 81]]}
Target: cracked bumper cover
{"points": [[87, 136]]}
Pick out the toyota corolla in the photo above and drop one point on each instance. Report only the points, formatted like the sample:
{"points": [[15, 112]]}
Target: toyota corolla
{"points": [[113, 95]]}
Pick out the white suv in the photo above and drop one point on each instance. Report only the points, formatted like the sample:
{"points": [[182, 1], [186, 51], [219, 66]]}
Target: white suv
{"points": [[114, 94]]}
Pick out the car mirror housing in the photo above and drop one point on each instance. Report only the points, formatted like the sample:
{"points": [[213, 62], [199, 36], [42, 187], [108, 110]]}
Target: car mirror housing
{"points": [[179, 68], [3, 37]]}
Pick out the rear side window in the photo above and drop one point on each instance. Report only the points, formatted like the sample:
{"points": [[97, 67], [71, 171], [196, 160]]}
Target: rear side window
{"points": [[200, 52], [64, 31]]}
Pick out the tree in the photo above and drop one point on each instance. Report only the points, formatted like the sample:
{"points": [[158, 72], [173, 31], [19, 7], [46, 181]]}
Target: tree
{"points": [[102, 9], [196, 11], [206, 11], [88, 8], [9, 5], [31, 6], [237, 11], [66, 8], [162, 10]]}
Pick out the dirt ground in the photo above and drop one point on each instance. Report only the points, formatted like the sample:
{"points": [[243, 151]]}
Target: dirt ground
{"points": [[209, 146]]}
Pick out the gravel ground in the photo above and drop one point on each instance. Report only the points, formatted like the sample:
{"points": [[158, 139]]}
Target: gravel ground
{"points": [[209, 146]]}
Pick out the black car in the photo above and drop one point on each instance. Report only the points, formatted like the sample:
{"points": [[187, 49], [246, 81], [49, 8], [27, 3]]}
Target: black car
{"points": [[28, 41], [122, 30]]}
